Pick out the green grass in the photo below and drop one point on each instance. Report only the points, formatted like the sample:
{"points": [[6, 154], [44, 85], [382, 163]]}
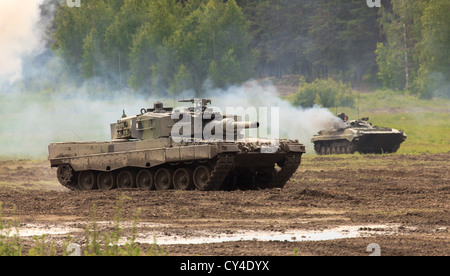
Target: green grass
{"points": [[427, 132], [385, 99]]}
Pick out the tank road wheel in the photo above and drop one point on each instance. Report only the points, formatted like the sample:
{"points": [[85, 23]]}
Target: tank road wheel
{"points": [[334, 150], [182, 179], [144, 180], [323, 150], [87, 180], [163, 179], [105, 181], [201, 177], [125, 179]]}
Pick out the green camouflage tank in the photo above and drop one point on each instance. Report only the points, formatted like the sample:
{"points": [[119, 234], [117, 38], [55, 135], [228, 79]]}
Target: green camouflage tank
{"points": [[146, 152], [357, 136]]}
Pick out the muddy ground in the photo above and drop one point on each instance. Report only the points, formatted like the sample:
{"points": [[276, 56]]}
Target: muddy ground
{"points": [[400, 202]]}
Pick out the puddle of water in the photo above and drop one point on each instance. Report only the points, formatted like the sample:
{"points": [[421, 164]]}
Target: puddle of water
{"points": [[290, 236], [37, 230], [202, 237]]}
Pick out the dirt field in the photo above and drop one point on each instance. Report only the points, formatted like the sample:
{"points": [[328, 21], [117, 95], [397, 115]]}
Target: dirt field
{"points": [[334, 205]]}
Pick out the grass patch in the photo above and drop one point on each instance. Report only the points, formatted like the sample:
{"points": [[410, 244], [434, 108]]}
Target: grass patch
{"points": [[427, 132], [388, 99], [356, 161]]}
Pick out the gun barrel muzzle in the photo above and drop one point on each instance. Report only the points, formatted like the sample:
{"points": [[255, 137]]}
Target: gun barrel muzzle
{"points": [[245, 125]]}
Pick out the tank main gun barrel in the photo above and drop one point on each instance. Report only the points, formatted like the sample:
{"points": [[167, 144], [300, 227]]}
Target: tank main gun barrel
{"points": [[245, 125], [203, 102], [230, 124]]}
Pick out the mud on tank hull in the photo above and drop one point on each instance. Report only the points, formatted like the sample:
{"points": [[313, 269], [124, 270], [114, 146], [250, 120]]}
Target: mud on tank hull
{"points": [[201, 166]]}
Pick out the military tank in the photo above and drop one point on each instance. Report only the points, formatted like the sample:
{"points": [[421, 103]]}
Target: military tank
{"points": [[357, 136], [162, 148]]}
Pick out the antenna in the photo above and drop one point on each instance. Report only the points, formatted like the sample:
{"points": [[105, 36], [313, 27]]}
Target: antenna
{"points": [[358, 105], [78, 136], [120, 74], [120, 80]]}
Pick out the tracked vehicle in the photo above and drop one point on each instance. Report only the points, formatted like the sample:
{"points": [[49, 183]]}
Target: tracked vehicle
{"points": [[162, 148], [357, 136]]}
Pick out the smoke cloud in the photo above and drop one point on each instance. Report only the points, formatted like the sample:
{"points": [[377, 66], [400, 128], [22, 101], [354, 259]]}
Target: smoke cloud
{"points": [[19, 36], [294, 122], [31, 122], [39, 104]]}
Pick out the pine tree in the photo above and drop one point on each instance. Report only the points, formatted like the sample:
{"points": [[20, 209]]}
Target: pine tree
{"points": [[433, 51]]}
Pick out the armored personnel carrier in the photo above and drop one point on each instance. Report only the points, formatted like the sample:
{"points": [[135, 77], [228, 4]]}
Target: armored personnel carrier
{"points": [[162, 148], [357, 136]]}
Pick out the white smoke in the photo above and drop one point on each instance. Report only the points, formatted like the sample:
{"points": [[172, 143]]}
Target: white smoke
{"points": [[294, 122], [69, 111], [31, 122], [20, 36]]}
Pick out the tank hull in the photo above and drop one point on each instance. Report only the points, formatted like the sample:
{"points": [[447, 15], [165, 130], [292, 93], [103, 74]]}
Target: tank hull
{"points": [[167, 165], [380, 142]]}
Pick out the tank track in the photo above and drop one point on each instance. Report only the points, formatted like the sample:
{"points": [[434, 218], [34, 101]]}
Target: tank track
{"points": [[336, 147], [220, 172], [345, 147], [221, 169], [73, 186], [288, 168]]}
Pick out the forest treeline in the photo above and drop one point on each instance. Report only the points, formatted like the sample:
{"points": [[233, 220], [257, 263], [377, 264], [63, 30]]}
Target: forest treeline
{"points": [[169, 46]]}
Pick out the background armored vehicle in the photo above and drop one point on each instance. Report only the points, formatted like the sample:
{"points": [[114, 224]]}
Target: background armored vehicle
{"points": [[163, 149], [357, 135]]}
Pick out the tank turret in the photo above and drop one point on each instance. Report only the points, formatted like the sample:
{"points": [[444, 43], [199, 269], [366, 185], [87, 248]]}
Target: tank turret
{"points": [[151, 123], [199, 121]]}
